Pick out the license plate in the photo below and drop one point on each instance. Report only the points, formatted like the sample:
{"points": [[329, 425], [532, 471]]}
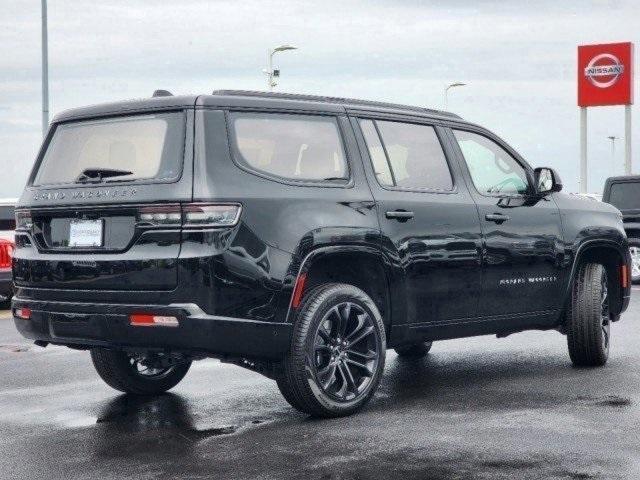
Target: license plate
{"points": [[85, 233]]}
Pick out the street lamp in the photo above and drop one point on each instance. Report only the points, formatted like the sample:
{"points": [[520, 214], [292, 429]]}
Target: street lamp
{"points": [[45, 71], [446, 91], [270, 72], [613, 148]]}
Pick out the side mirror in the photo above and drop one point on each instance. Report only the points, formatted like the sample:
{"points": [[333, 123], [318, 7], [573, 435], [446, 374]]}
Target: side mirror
{"points": [[547, 180]]}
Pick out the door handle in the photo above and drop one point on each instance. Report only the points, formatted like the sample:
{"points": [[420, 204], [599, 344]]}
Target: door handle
{"points": [[399, 215], [496, 217]]}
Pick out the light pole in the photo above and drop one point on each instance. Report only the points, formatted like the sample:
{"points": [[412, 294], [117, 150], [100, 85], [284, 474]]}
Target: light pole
{"points": [[270, 72], [446, 92], [613, 149], [45, 71]]}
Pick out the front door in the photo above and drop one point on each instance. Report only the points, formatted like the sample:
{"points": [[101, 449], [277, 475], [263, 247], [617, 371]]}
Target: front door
{"points": [[522, 232], [429, 222]]}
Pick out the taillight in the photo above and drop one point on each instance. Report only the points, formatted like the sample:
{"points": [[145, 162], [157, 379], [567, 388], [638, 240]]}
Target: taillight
{"points": [[23, 312], [212, 215], [189, 215], [6, 254], [160, 215], [23, 220]]}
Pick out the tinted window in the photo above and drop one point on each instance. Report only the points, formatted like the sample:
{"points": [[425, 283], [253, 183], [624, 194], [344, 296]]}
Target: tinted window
{"points": [[147, 146], [297, 147], [413, 154], [625, 196], [492, 169], [376, 152]]}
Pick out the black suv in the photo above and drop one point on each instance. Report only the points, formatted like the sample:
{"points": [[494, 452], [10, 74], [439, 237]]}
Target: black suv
{"points": [[624, 194], [300, 237]]}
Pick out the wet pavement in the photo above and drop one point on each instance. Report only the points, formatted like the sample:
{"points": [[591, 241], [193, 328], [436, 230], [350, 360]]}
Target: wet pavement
{"points": [[478, 408]]}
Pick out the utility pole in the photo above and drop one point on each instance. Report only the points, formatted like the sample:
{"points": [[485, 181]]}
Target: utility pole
{"points": [[45, 71], [446, 92], [270, 72]]}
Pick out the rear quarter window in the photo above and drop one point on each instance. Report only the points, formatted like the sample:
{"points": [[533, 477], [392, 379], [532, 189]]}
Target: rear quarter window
{"points": [[303, 148]]}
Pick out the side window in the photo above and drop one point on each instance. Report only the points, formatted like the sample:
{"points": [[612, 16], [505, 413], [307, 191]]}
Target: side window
{"points": [[296, 147], [412, 156], [376, 152], [492, 169]]}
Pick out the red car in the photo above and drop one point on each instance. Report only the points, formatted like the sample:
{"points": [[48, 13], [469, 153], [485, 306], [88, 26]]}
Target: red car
{"points": [[7, 227]]}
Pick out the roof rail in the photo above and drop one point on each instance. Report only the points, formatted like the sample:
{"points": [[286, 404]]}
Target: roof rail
{"points": [[162, 93], [340, 100]]}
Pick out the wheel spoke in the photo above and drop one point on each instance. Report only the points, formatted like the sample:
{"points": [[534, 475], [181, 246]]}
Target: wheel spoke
{"points": [[348, 376], [330, 373], [344, 319], [361, 322], [368, 355], [367, 331], [324, 334], [367, 371]]}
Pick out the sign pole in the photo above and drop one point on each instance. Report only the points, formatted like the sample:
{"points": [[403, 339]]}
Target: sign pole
{"points": [[583, 149], [627, 140]]}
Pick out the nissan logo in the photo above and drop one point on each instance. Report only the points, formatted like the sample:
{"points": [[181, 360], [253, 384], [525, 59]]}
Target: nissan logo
{"points": [[604, 70]]}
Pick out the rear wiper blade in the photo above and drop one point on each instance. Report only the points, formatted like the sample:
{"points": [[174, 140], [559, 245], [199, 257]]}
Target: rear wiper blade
{"points": [[98, 174]]}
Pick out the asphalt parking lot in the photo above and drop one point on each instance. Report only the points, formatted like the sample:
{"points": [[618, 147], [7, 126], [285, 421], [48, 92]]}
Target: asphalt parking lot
{"points": [[477, 408]]}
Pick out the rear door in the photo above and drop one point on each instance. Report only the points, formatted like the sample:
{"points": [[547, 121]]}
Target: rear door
{"points": [[428, 219], [102, 207], [522, 232]]}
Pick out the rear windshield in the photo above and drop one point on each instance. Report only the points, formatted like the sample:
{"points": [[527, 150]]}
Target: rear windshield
{"points": [[115, 150], [625, 196]]}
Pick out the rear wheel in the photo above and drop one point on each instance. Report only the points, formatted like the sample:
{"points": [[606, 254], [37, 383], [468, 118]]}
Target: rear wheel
{"points": [[588, 318], [337, 352], [140, 374], [416, 350]]}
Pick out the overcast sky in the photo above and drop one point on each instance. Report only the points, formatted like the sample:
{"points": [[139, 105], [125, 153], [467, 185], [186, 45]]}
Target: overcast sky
{"points": [[518, 58]]}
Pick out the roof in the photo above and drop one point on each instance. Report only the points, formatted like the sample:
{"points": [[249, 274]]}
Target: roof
{"points": [[346, 102], [248, 99]]}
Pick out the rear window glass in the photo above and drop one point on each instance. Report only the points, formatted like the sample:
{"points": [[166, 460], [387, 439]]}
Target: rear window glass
{"points": [[127, 148], [625, 196], [296, 147]]}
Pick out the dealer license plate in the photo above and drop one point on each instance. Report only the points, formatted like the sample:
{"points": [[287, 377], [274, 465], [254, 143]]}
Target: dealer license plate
{"points": [[85, 233]]}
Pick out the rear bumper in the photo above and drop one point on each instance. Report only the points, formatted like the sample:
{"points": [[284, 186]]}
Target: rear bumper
{"points": [[107, 325]]}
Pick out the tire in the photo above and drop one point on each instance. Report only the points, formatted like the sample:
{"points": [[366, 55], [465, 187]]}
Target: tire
{"points": [[120, 371], [417, 350], [588, 321], [337, 353], [634, 251]]}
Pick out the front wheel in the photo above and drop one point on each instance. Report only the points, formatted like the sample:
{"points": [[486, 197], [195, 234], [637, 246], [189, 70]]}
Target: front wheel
{"points": [[588, 321], [139, 374], [337, 352]]}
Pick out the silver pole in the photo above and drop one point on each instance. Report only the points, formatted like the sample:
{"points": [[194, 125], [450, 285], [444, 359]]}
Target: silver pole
{"points": [[583, 149], [270, 69], [627, 140], [45, 71]]}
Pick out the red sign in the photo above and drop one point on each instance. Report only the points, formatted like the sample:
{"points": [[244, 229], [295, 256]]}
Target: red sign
{"points": [[605, 74]]}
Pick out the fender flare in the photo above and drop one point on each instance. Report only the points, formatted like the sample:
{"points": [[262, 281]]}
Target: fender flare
{"points": [[580, 252], [324, 251]]}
